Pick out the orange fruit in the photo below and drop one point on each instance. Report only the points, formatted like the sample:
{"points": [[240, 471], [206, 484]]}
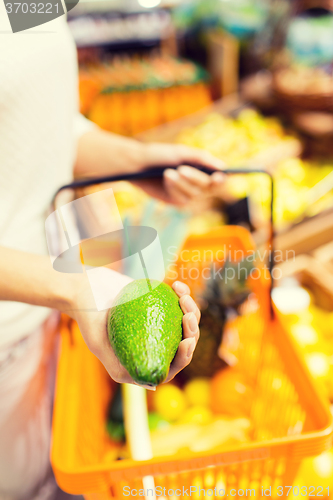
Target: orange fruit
{"points": [[230, 394]]}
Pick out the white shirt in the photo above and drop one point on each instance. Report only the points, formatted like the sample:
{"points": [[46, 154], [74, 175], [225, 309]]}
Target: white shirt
{"points": [[39, 127]]}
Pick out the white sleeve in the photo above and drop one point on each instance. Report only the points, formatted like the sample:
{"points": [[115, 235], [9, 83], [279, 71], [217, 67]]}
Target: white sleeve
{"points": [[82, 125]]}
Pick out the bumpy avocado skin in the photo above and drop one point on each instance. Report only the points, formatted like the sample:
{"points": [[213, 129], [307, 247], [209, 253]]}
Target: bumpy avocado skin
{"points": [[145, 331]]}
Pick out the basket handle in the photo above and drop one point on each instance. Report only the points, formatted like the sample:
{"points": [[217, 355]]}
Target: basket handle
{"points": [[157, 173]]}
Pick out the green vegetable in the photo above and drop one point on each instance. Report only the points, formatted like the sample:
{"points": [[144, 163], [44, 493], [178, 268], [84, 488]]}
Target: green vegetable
{"points": [[156, 422], [115, 419], [145, 329], [116, 430]]}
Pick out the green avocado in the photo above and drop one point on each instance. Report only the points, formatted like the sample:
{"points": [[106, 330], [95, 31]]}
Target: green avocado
{"points": [[145, 329]]}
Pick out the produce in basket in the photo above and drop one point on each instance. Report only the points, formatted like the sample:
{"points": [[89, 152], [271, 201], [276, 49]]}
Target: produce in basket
{"points": [[145, 329], [115, 425], [231, 393], [226, 290], [115, 419], [215, 436]]}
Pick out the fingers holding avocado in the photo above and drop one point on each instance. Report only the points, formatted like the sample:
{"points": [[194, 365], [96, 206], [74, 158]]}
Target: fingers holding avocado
{"points": [[153, 331]]}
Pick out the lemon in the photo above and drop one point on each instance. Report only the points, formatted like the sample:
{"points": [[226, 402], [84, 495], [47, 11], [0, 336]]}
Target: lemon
{"points": [[169, 402], [197, 391], [197, 415]]}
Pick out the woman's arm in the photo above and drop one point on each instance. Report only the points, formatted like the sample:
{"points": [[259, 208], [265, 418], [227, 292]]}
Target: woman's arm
{"points": [[31, 279], [102, 153]]}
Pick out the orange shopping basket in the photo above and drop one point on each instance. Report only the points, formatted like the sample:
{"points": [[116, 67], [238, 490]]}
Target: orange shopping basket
{"points": [[289, 418]]}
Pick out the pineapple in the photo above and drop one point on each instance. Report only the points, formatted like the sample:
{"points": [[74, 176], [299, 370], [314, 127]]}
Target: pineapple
{"points": [[225, 292]]}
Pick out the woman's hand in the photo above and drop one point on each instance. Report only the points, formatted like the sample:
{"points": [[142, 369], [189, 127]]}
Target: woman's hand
{"points": [[185, 184], [191, 330], [93, 326], [31, 279]]}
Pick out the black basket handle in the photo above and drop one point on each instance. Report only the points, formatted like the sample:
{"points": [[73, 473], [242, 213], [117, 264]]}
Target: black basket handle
{"points": [[157, 173]]}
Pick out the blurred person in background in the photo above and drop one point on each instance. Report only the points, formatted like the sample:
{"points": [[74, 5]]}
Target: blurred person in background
{"points": [[44, 142]]}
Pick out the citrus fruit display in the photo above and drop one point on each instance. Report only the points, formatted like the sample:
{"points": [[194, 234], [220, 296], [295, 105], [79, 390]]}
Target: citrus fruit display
{"points": [[235, 140], [240, 141]]}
